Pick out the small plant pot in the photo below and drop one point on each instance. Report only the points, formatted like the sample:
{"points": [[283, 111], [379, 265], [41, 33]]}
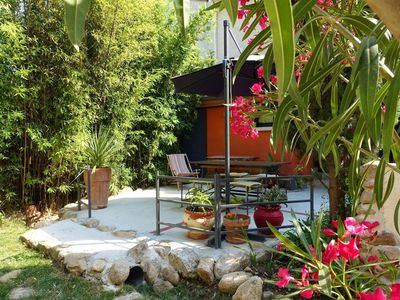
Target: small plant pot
{"points": [[99, 187], [240, 222], [272, 214], [201, 220]]}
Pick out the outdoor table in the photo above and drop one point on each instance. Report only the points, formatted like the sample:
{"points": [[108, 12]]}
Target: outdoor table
{"points": [[243, 164], [233, 157]]}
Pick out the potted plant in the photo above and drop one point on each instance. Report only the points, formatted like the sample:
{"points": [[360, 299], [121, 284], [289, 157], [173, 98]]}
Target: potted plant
{"points": [[99, 151], [236, 221], [198, 216], [270, 211]]}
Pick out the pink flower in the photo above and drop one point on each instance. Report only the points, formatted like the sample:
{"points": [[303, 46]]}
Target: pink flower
{"points": [[242, 13], [331, 253], [257, 88], [250, 40], [395, 291], [348, 250], [260, 72], [273, 79], [378, 295], [279, 246], [306, 294], [370, 225], [314, 276], [263, 22], [245, 28], [241, 123], [372, 258], [283, 273], [243, 2], [352, 228], [329, 232], [334, 223]]}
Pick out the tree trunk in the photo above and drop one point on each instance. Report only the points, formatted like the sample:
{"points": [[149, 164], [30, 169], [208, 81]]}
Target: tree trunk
{"points": [[336, 192]]}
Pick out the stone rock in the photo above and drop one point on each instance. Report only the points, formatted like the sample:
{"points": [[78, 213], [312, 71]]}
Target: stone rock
{"points": [[20, 293], [151, 263], [105, 228], [162, 286], [71, 206], [362, 209], [370, 169], [47, 246], [229, 283], [163, 249], [98, 265], [368, 184], [10, 275], [67, 214], [185, 261], [384, 238], [268, 295], [76, 262], [230, 263], [393, 252], [250, 289], [125, 233], [367, 197], [88, 222], [119, 271], [262, 251], [205, 270], [137, 251], [131, 296], [170, 274]]}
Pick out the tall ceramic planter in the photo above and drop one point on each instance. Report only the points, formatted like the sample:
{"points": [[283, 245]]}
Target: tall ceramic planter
{"points": [[99, 187], [272, 214], [201, 220], [239, 222]]}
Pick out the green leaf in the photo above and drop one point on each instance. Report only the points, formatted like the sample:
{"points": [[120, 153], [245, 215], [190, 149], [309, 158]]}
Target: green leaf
{"points": [[368, 78], [396, 217], [378, 185], [182, 11], [267, 65], [278, 125], [390, 119], [75, 14], [232, 9], [324, 280], [282, 27], [389, 187]]}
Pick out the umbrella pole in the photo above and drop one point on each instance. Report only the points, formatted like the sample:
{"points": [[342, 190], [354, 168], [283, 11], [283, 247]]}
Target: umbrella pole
{"points": [[227, 71]]}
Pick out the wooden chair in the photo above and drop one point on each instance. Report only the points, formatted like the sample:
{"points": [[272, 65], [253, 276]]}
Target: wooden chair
{"points": [[180, 166]]}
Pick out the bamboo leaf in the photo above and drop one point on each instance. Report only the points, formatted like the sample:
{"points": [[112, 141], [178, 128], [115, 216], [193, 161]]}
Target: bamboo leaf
{"points": [[267, 65], [75, 14], [282, 27], [389, 187], [277, 127]]}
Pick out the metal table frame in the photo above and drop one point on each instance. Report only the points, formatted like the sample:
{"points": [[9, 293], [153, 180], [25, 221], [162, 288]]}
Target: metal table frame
{"points": [[218, 206]]}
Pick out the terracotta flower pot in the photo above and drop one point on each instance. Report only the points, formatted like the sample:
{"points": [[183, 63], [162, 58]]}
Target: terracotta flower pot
{"points": [[272, 214], [99, 187], [238, 223], [202, 220]]}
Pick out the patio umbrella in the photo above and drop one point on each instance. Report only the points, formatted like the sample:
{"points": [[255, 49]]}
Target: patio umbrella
{"points": [[210, 81]]}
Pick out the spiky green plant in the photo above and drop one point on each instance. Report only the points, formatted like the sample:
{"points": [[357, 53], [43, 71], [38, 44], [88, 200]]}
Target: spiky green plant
{"points": [[101, 147]]}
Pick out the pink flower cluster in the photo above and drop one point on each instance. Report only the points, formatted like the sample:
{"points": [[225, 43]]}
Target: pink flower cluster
{"points": [[242, 124], [345, 247], [380, 295], [324, 3], [272, 78]]}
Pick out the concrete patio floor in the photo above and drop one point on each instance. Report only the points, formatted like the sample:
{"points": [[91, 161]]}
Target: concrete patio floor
{"points": [[135, 210]]}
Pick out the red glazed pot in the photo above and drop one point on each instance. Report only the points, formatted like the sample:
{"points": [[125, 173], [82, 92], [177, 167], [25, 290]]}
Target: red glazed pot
{"points": [[272, 214]]}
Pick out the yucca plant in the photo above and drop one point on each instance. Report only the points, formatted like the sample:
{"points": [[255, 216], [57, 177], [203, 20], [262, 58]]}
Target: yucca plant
{"points": [[101, 147]]}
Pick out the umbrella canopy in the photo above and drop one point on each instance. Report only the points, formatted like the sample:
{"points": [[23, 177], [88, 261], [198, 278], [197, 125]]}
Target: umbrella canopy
{"points": [[210, 81]]}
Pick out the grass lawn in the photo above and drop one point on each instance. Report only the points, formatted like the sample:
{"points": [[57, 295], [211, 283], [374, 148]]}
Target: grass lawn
{"points": [[49, 281]]}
